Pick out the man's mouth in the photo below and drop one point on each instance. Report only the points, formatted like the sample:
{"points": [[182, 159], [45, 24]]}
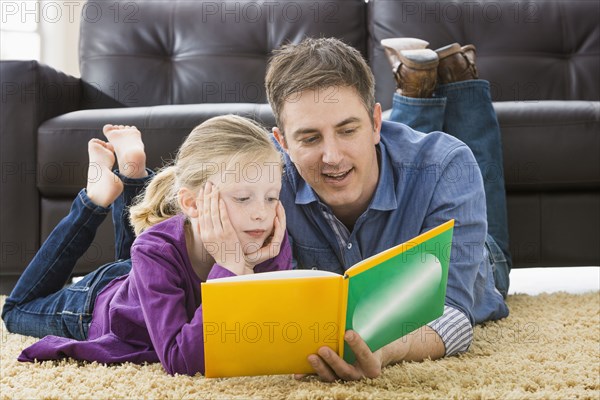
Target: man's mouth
{"points": [[336, 176]]}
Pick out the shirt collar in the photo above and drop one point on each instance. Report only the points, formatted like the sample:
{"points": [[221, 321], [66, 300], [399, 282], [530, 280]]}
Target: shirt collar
{"points": [[305, 194], [385, 193]]}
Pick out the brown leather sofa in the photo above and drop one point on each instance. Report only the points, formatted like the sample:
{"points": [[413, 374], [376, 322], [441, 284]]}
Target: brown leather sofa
{"points": [[166, 66]]}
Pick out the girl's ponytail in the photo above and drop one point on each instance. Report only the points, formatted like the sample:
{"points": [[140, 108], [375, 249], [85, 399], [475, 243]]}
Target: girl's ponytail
{"points": [[157, 203]]}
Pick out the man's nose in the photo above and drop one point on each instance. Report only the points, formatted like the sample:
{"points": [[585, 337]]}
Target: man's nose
{"points": [[331, 152]]}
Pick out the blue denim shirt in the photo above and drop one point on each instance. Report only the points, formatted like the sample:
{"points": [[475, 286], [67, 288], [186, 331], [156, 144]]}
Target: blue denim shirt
{"points": [[424, 180]]}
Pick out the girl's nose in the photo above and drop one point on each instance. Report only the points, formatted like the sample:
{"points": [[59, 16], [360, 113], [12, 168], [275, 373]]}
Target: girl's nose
{"points": [[259, 212]]}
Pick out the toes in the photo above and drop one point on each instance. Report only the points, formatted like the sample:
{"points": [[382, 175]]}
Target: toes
{"points": [[100, 142], [95, 141], [108, 127]]}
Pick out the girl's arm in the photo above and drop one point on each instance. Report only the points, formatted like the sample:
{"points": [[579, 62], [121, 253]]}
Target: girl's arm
{"points": [[170, 303]]}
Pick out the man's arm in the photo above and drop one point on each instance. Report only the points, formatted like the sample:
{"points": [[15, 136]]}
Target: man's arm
{"points": [[462, 199], [450, 334], [416, 346]]}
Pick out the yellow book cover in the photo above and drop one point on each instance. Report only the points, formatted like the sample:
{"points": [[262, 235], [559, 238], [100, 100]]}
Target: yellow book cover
{"points": [[269, 323]]}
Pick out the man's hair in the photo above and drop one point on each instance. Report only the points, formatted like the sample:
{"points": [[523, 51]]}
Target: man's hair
{"points": [[316, 64]]}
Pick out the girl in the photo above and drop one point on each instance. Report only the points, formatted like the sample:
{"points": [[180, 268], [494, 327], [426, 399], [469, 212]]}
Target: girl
{"points": [[214, 213]]}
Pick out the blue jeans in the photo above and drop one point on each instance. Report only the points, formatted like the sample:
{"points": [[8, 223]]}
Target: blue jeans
{"points": [[40, 304], [464, 110]]}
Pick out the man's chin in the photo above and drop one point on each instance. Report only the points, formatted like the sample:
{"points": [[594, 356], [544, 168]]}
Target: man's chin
{"points": [[337, 200]]}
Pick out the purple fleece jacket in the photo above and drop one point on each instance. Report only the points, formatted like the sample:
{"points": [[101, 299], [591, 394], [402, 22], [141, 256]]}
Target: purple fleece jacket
{"points": [[154, 313]]}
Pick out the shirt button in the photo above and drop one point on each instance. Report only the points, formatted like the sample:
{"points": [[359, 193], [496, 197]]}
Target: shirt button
{"points": [[349, 246]]}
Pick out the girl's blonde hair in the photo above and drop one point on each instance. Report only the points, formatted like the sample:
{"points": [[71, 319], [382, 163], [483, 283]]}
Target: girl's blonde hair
{"points": [[213, 146]]}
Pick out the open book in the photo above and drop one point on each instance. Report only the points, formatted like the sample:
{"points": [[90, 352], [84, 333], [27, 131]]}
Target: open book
{"points": [[269, 323]]}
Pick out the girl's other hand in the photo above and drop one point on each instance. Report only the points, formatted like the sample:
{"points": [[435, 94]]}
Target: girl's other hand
{"points": [[272, 246]]}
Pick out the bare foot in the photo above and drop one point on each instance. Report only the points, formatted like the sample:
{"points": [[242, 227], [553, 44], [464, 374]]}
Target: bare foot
{"points": [[103, 186], [128, 145]]}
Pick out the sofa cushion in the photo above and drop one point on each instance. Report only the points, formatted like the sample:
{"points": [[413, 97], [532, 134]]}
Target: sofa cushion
{"points": [[528, 49], [62, 141], [551, 229], [550, 145], [182, 52]]}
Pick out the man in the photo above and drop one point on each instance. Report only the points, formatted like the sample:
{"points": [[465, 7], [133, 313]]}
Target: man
{"points": [[356, 185]]}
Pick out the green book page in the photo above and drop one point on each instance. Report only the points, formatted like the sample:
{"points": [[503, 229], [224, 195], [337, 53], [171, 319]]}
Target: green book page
{"points": [[399, 295]]}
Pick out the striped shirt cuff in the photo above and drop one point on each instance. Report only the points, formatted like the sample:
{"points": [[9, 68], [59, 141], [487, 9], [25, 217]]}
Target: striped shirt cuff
{"points": [[455, 330]]}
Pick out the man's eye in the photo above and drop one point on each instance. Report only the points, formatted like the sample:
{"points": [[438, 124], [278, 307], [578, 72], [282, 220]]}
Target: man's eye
{"points": [[349, 131], [310, 140]]}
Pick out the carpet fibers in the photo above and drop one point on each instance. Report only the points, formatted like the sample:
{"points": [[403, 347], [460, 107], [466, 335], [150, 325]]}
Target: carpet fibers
{"points": [[549, 348]]}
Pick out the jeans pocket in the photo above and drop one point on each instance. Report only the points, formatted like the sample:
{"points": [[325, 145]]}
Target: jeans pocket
{"points": [[75, 325], [499, 266], [94, 282]]}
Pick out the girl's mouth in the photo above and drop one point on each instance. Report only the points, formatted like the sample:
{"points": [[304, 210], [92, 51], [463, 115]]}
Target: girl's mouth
{"points": [[256, 233]]}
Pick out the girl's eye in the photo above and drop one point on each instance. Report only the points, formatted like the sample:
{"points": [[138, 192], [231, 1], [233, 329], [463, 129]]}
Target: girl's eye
{"points": [[272, 199], [241, 199]]}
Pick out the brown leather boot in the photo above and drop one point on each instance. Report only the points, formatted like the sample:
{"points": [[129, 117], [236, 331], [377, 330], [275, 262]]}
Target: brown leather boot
{"points": [[416, 74], [393, 47], [456, 63]]}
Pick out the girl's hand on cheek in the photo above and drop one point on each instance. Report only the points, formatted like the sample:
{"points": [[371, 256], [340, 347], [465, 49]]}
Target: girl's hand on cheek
{"points": [[272, 245], [217, 233]]}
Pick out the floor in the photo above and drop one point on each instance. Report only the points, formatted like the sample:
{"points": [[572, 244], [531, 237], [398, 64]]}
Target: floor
{"points": [[538, 280], [522, 280]]}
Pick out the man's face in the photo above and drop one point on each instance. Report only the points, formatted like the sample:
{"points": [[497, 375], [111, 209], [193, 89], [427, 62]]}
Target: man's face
{"points": [[330, 138], [251, 194]]}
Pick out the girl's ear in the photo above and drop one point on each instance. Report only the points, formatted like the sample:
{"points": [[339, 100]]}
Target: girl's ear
{"points": [[187, 202]]}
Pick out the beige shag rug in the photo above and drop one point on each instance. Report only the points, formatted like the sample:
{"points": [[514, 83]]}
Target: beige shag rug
{"points": [[549, 348]]}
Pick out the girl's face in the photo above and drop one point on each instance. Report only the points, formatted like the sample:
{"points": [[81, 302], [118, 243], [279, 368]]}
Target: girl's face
{"points": [[251, 193]]}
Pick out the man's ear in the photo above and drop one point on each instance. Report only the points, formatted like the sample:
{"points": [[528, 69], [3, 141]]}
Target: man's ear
{"points": [[279, 136], [377, 121], [187, 202]]}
